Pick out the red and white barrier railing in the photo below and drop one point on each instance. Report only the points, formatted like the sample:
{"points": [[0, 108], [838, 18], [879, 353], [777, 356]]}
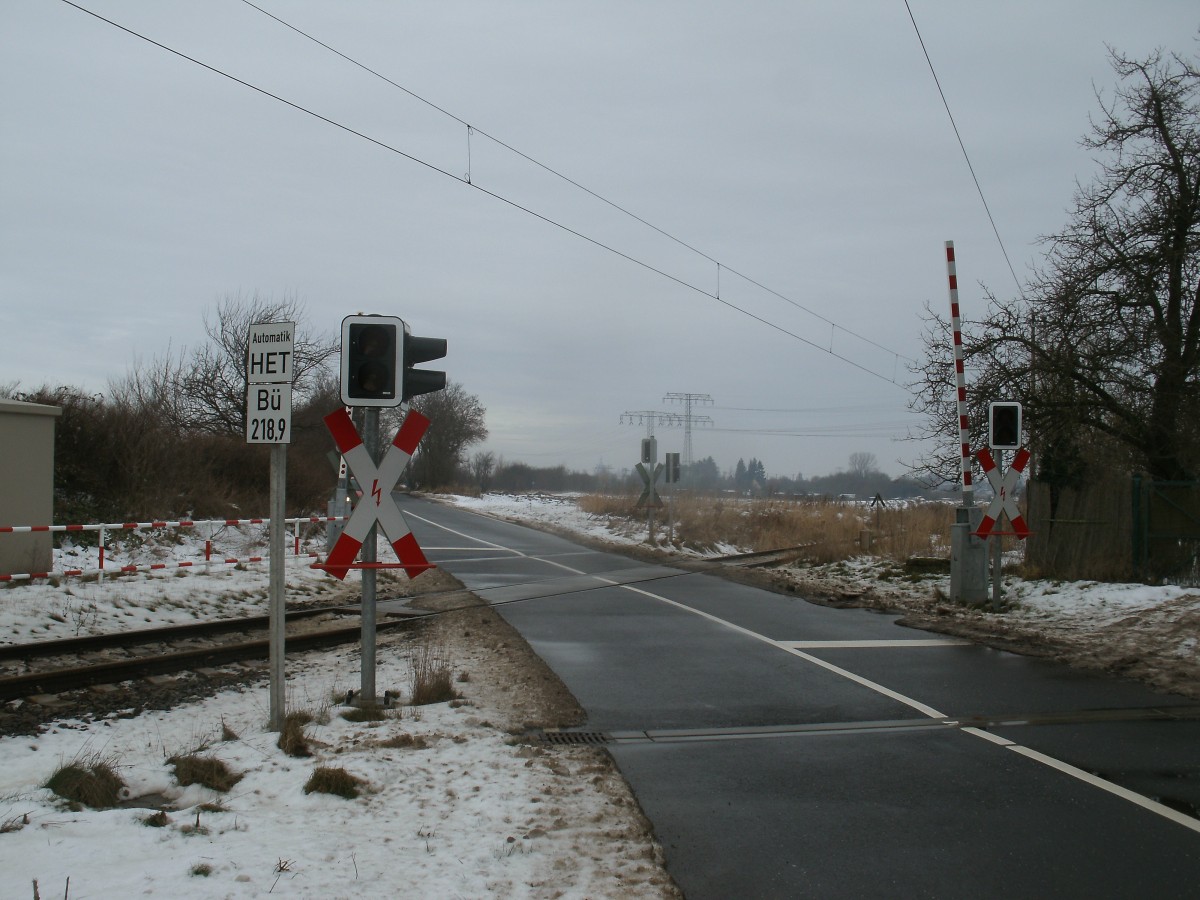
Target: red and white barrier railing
{"points": [[209, 558]]}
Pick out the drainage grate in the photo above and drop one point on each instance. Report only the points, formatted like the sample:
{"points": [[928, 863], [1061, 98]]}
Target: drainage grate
{"points": [[573, 737]]}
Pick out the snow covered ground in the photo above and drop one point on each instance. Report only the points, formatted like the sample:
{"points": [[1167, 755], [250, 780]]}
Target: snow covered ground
{"points": [[452, 804], [450, 807], [73, 606]]}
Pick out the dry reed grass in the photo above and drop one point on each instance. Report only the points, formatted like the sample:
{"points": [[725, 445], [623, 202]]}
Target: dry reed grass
{"points": [[835, 530]]}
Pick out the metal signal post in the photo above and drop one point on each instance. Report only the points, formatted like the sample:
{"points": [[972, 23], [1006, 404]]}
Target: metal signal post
{"points": [[379, 356]]}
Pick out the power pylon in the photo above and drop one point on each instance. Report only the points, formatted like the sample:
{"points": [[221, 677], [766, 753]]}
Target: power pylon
{"points": [[650, 418], [690, 419]]}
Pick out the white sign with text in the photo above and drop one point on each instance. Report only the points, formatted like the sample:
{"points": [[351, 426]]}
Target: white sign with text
{"points": [[269, 414], [270, 365]]}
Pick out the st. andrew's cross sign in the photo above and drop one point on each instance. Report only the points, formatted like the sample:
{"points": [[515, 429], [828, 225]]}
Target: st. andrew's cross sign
{"points": [[649, 492], [376, 503], [1004, 485]]}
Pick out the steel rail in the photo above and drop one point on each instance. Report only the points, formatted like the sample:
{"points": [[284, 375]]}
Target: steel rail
{"points": [[54, 681]]}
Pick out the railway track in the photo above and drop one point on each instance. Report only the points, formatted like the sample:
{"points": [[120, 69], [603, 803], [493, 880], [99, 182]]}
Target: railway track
{"points": [[760, 558], [39, 670], [56, 666]]}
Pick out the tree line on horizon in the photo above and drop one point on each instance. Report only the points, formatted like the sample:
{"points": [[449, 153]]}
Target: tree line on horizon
{"points": [[862, 479], [167, 440]]}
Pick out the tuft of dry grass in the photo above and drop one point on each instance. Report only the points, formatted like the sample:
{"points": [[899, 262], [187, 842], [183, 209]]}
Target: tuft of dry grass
{"points": [[292, 739], [431, 675], [401, 741], [14, 823], [90, 781], [368, 713], [213, 773], [330, 780]]}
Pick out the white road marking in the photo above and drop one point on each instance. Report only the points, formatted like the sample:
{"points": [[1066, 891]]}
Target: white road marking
{"points": [[792, 647], [468, 549], [988, 736], [863, 645], [1124, 793]]}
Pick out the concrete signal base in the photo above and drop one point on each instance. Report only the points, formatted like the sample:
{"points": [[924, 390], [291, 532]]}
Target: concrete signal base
{"points": [[968, 558]]}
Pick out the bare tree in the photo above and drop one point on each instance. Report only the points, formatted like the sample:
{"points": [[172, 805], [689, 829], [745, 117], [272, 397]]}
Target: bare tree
{"points": [[863, 464], [483, 464], [1105, 350], [457, 420], [205, 390]]}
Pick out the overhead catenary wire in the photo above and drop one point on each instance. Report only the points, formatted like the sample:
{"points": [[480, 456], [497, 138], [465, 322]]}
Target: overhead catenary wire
{"points": [[467, 180], [833, 431], [805, 409], [963, 147], [475, 129]]}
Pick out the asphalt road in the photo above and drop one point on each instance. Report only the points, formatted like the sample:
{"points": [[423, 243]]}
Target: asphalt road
{"points": [[785, 749]]}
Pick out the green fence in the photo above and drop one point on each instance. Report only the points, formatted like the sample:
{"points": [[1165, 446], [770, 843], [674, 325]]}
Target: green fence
{"points": [[1166, 530]]}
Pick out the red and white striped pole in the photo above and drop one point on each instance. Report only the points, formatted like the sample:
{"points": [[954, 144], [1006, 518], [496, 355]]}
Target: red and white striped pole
{"points": [[964, 432]]}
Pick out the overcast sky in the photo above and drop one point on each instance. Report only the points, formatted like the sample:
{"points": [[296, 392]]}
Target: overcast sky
{"points": [[801, 144]]}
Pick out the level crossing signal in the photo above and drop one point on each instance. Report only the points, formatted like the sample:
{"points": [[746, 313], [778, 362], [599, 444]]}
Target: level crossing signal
{"points": [[672, 472], [378, 360], [419, 350], [1004, 425]]}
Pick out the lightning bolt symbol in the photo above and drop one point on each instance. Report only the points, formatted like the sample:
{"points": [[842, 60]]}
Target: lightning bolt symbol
{"points": [[376, 492]]}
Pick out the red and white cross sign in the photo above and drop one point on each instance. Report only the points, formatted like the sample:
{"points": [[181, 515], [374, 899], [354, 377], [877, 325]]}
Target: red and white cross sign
{"points": [[1004, 486], [376, 503]]}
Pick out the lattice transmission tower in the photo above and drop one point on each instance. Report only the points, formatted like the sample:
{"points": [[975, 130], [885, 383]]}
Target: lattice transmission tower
{"points": [[650, 418], [690, 419]]}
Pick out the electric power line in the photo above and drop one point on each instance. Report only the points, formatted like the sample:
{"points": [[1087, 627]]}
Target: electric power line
{"points": [[474, 129], [833, 431], [518, 206], [963, 148], [806, 409]]}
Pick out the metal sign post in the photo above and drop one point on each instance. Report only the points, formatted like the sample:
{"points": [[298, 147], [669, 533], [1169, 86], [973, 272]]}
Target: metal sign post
{"points": [[277, 585], [376, 506], [1004, 484], [370, 554], [672, 478], [270, 364], [997, 542], [649, 497]]}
